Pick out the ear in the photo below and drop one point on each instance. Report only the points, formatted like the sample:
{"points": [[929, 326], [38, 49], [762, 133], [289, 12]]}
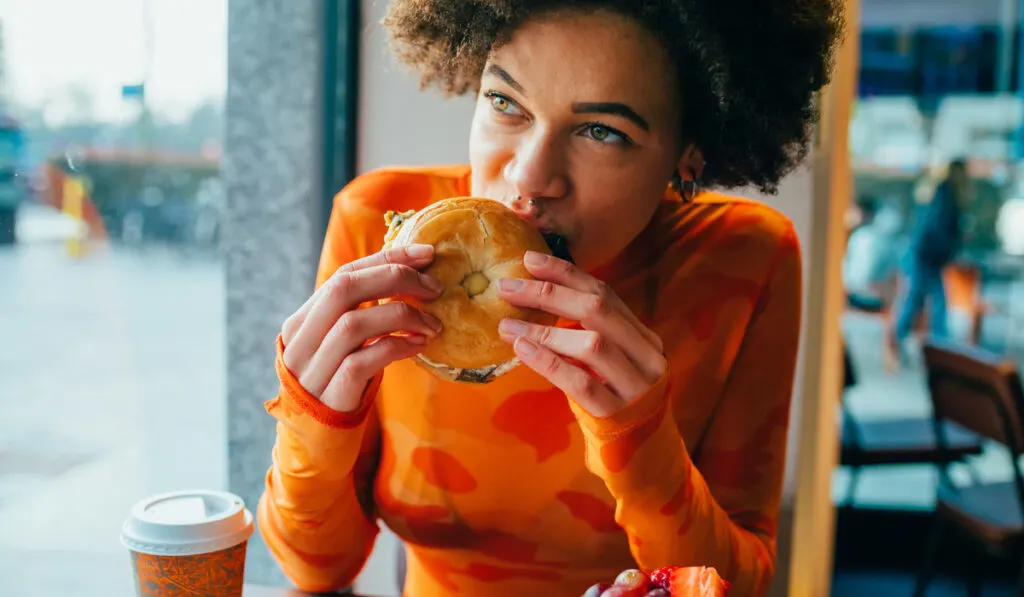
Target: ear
{"points": [[691, 164]]}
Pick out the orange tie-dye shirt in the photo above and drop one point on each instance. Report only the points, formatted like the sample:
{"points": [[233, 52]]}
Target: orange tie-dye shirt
{"points": [[510, 488]]}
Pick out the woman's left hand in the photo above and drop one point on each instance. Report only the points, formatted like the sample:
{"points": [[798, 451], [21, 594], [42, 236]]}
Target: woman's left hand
{"points": [[624, 357]]}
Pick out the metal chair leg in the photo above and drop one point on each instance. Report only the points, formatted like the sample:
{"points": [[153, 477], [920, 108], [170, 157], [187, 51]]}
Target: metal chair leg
{"points": [[931, 552], [1020, 578], [851, 488], [974, 580]]}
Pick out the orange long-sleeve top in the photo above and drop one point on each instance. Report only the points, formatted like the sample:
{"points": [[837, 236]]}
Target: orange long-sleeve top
{"points": [[511, 488]]}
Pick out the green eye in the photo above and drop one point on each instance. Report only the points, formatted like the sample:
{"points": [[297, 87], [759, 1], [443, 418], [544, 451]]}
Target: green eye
{"points": [[500, 104], [606, 135]]}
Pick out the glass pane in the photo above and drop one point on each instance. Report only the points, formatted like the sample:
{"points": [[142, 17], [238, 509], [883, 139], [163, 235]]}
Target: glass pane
{"points": [[930, 93], [111, 283]]}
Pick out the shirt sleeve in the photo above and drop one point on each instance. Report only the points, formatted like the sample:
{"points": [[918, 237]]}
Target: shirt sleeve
{"points": [[316, 514], [721, 508]]}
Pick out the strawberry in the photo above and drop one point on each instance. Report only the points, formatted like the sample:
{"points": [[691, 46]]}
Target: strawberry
{"points": [[697, 581], [662, 577]]}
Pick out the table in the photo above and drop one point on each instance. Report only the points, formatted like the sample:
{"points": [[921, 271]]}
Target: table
{"points": [[259, 591]]}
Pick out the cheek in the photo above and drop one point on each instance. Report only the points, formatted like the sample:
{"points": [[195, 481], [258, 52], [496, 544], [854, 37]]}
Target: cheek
{"points": [[613, 221], [629, 193], [618, 205], [489, 151]]}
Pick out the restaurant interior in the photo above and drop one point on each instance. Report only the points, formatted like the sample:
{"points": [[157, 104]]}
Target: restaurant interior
{"points": [[146, 271]]}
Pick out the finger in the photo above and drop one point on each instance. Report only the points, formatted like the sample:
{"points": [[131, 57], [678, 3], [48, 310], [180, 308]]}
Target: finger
{"points": [[411, 255], [346, 290], [291, 326], [414, 256], [345, 389], [587, 347], [582, 387], [560, 271], [353, 329], [593, 311]]}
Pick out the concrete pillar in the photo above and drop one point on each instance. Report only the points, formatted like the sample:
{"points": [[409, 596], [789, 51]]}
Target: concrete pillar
{"points": [[285, 156]]}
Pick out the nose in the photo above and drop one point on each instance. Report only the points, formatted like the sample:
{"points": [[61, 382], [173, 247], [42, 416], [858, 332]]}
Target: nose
{"points": [[537, 169]]}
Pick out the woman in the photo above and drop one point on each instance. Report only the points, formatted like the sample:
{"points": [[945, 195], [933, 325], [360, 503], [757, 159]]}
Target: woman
{"points": [[594, 120], [934, 243]]}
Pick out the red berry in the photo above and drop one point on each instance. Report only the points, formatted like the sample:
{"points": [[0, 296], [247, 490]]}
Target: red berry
{"points": [[662, 577], [596, 590]]}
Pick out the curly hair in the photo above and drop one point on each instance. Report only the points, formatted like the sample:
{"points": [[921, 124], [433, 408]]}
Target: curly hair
{"points": [[749, 69]]}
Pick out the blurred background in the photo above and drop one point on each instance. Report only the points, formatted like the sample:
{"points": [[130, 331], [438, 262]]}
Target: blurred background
{"points": [[139, 233], [111, 286]]}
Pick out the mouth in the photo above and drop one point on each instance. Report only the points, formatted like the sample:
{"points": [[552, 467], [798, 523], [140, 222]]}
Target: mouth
{"points": [[558, 245]]}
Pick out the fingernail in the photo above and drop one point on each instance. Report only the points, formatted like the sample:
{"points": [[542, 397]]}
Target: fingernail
{"points": [[513, 327], [416, 339], [525, 346], [535, 259], [510, 284], [419, 251], [433, 322], [432, 283]]}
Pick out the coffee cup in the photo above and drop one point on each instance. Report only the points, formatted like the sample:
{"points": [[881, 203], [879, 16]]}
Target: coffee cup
{"points": [[188, 543]]}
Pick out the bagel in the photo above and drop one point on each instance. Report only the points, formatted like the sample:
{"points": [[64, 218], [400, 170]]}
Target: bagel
{"points": [[476, 241]]}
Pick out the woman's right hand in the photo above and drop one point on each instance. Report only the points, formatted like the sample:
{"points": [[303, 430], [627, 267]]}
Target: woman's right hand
{"points": [[326, 340]]}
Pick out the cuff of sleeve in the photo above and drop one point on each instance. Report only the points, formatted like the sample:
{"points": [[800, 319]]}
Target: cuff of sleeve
{"points": [[637, 413], [294, 397]]}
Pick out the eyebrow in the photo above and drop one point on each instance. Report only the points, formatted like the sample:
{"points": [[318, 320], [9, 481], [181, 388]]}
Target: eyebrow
{"points": [[502, 74], [613, 108]]}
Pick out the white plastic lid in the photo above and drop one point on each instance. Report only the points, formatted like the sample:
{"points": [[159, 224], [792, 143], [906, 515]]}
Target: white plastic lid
{"points": [[187, 523]]}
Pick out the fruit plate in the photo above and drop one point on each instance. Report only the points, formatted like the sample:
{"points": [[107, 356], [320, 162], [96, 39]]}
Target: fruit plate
{"points": [[671, 581]]}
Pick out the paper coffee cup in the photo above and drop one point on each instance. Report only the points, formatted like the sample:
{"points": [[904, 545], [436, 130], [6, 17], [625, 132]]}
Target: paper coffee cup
{"points": [[188, 543]]}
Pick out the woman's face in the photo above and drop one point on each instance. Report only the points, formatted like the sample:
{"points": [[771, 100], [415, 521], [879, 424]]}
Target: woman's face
{"points": [[578, 112]]}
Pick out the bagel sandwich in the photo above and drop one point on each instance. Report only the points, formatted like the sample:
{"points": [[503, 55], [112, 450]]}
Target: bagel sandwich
{"points": [[476, 242]]}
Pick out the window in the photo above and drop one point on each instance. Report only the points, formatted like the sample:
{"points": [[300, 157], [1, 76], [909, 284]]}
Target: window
{"points": [[111, 282]]}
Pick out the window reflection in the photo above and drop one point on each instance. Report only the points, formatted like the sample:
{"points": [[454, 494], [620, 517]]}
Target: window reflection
{"points": [[111, 281], [930, 93]]}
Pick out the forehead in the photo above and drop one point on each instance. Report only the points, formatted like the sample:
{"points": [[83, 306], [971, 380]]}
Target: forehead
{"points": [[574, 56]]}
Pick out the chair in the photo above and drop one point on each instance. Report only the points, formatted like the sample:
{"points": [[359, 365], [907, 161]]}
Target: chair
{"points": [[909, 440], [981, 392]]}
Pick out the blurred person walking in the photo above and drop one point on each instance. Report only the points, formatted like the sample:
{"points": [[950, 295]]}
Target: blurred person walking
{"points": [[936, 238]]}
